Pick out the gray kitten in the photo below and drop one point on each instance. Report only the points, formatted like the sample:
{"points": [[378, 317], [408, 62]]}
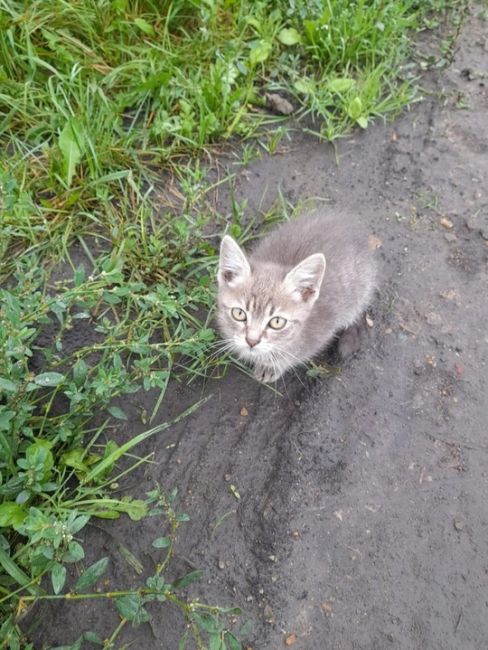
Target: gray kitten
{"points": [[304, 282]]}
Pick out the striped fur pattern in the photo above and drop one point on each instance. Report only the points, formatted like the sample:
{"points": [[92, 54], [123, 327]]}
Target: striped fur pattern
{"points": [[304, 282]]}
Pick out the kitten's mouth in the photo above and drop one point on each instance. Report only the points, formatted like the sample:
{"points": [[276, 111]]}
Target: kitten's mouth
{"points": [[252, 355]]}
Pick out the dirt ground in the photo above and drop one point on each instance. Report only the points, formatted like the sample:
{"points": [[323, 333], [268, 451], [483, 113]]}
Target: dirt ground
{"points": [[363, 517]]}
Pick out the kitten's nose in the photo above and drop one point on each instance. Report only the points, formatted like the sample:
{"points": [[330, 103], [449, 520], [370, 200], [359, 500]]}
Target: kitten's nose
{"points": [[251, 342]]}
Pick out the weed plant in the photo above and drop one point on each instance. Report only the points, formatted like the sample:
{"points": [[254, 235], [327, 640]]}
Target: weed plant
{"points": [[99, 101]]}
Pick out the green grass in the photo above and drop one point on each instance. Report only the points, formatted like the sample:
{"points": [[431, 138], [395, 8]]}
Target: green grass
{"points": [[100, 103]]}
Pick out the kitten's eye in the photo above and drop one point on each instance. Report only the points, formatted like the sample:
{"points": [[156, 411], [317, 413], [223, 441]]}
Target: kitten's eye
{"points": [[277, 323], [238, 314]]}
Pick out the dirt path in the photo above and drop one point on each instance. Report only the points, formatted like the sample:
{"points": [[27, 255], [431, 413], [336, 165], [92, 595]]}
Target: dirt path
{"points": [[363, 518]]}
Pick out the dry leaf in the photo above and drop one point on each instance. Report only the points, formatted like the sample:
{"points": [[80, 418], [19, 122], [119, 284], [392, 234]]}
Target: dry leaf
{"points": [[291, 639]]}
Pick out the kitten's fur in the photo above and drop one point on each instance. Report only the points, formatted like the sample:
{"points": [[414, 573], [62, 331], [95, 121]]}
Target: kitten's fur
{"points": [[316, 271]]}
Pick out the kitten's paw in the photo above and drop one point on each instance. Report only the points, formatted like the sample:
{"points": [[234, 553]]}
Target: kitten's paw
{"points": [[267, 375], [349, 342]]}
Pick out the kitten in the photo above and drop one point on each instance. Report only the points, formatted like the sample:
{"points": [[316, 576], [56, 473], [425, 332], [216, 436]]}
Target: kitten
{"points": [[304, 282]]}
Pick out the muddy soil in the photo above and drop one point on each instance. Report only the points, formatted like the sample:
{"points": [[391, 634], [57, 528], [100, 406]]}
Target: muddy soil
{"points": [[362, 521]]}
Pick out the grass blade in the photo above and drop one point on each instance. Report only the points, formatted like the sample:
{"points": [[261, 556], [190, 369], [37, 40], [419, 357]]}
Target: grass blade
{"points": [[123, 449]]}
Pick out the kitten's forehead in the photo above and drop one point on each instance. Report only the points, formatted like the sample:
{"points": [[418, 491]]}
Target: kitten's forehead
{"points": [[263, 294], [260, 304]]}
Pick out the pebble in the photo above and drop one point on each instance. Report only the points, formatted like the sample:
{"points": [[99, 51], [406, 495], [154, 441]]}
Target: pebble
{"points": [[458, 524], [327, 606], [374, 242], [268, 614], [459, 370], [221, 565], [450, 237], [446, 223], [432, 318], [430, 360], [449, 294], [279, 104]]}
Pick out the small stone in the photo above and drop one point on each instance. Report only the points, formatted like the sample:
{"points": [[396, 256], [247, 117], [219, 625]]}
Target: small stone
{"points": [[295, 534], [369, 320], [458, 524], [374, 242], [449, 294], [221, 565], [459, 370], [279, 104], [432, 318], [430, 360], [446, 223], [327, 606], [227, 477], [388, 330], [244, 412], [291, 639], [450, 237], [268, 614]]}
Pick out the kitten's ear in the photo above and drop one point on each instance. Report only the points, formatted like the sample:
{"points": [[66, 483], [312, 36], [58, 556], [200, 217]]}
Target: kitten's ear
{"points": [[305, 279], [233, 264]]}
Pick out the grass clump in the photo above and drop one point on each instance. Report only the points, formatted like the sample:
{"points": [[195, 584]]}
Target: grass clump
{"points": [[97, 99]]}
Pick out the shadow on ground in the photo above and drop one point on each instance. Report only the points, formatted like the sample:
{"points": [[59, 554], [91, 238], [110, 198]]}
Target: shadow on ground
{"points": [[362, 522]]}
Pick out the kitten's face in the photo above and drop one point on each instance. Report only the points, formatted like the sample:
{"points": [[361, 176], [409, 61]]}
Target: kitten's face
{"points": [[262, 309]]}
